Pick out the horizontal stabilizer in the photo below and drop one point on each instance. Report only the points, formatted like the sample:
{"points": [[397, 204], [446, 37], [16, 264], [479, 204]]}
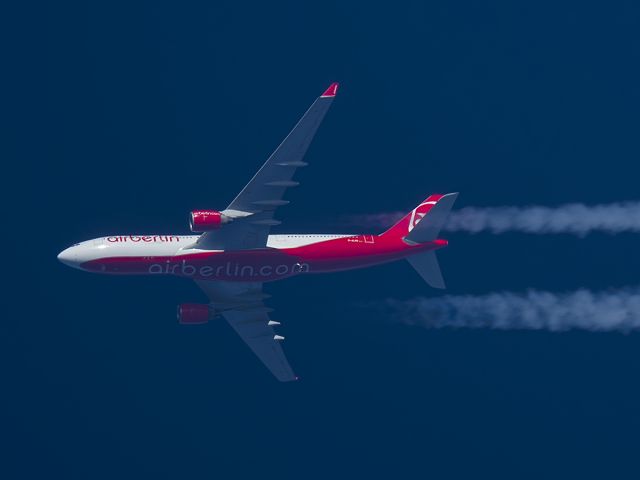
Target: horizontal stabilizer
{"points": [[426, 264]]}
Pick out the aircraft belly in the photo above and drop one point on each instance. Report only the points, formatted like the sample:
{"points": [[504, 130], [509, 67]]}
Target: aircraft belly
{"points": [[339, 264], [238, 266], [242, 266], [349, 255]]}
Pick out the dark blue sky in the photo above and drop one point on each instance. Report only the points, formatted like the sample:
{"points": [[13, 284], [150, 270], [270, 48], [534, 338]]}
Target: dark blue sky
{"points": [[123, 117]]}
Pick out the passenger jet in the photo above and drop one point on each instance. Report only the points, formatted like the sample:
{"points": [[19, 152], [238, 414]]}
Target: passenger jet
{"points": [[233, 254]]}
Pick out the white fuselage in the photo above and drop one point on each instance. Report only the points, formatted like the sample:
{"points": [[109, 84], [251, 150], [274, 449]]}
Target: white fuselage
{"points": [[167, 245]]}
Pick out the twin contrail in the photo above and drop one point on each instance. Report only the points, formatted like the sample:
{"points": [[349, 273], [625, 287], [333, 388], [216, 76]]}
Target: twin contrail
{"points": [[572, 218], [611, 310]]}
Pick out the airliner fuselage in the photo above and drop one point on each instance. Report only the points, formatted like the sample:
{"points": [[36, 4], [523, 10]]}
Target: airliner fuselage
{"points": [[284, 256]]}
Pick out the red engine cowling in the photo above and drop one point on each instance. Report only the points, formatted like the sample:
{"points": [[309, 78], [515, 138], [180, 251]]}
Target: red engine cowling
{"points": [[206, 220], [193, 313]]}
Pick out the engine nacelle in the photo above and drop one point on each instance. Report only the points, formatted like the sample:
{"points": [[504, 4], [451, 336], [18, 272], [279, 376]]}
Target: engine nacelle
{"points": [[193, 313], [206, 220]]}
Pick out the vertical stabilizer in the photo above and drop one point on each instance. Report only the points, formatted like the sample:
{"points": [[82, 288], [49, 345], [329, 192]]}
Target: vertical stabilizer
{"points": [[423, 223], [432, 221]]}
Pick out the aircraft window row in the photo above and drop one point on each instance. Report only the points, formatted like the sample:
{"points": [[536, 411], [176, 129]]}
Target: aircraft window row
{"points": [[306, 236]]}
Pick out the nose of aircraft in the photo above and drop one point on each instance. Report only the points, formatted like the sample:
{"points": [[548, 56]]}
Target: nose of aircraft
{"points": [[69, 257]]}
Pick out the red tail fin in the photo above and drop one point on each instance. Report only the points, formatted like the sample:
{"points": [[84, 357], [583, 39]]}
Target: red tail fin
{"points": [[411, 219]]}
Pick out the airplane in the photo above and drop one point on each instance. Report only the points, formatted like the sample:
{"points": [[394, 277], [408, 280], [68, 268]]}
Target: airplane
{"points": [[233, 253]]}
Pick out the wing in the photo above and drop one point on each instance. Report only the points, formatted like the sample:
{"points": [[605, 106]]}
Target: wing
{"points": [[253, 209], [241, 304]]}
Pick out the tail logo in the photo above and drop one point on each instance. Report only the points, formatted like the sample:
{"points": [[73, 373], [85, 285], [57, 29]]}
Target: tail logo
{"points": [[418, 213]]}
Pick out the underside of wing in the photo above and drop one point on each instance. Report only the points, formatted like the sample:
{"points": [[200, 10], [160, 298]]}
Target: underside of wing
{"points": [[254, 327], [241, 305], [253, 209]]}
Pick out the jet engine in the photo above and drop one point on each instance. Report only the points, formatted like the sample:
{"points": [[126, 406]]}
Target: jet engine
{"points": [[193, 313], [206, 220]]}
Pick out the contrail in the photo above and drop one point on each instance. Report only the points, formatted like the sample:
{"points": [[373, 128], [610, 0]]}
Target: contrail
{"points": [[611, 310], [572, 218]]}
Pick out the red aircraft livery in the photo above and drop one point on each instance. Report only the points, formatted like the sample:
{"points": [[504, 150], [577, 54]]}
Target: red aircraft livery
{"points": [[233, 253]]}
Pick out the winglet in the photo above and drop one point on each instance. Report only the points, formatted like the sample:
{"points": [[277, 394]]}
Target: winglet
{"points": [[331, 91]]}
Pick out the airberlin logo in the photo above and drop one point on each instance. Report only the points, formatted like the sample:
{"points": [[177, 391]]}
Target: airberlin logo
{"points": [[228, 269], [144, 238], [417, 215]]}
